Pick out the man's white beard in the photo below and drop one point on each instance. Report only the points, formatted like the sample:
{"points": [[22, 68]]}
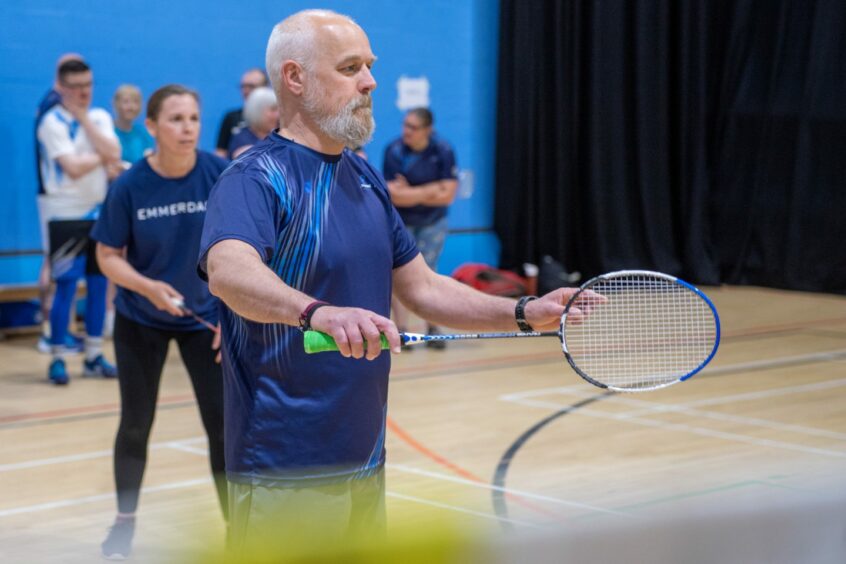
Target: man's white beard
{"points": [[353, 125]]}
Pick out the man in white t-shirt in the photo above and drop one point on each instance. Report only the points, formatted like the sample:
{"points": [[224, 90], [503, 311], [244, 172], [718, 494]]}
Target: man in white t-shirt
{"points": [[78, 145]]}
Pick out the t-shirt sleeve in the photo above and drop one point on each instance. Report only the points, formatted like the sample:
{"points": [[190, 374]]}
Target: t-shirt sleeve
{"points": [[405, 248], [54, 136], [240, 139], [391, 165], [115, 221], [241, 208]]}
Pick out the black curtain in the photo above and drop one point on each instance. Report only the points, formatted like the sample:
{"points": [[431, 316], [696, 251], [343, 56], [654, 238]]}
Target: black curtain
{"points": [[705, 139]]}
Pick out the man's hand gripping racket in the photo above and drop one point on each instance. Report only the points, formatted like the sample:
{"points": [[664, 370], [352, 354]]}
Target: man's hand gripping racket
{"points": [[627, 331]]}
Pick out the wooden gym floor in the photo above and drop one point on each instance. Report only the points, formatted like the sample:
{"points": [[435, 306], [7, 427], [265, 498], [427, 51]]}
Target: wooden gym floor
{"points": [[488, 435]]}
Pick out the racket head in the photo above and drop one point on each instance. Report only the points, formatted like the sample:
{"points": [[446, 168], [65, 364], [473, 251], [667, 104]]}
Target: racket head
{"points": [[654, 330]]}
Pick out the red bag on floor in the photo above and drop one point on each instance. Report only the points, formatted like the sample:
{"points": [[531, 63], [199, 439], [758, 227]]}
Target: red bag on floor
{"points": [[491, 280]]}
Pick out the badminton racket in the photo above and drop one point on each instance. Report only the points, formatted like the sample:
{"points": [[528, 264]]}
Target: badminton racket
{"points": [[647, 331], [181, 305]]}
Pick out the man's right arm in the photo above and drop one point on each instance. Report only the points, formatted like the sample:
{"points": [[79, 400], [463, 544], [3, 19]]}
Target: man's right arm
{"points": [[238, 276]]}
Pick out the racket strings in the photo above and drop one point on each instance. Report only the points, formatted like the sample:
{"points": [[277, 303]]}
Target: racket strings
{"points": [[649, 333]]}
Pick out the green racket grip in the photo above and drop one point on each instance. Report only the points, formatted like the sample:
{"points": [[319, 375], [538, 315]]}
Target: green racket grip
{"points": [[317, 342]]}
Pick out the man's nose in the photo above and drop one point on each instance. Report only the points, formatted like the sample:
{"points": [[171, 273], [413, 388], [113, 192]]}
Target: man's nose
{"points": [[368, 82]]}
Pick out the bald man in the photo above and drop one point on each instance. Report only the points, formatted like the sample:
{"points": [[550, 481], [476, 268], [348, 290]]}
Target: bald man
{"points": [[301, 234]]}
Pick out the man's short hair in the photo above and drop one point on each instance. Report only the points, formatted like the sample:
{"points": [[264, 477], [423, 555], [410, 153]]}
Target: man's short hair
{"points": [[425, 115], [260, 71], [74, 66]]}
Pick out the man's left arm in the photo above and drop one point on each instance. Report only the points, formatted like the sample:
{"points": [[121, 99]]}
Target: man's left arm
{"points": [[443, 194], [445, 301]]}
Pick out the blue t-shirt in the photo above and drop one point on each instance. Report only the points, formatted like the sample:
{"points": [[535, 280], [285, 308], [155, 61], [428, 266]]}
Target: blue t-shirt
{"points": [[134, 142], [326, 226], [435, 162], [244, 137], [160, 220]]}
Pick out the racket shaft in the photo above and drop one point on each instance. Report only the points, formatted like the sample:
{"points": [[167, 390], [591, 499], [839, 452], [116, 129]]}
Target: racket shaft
{"points": [[316, 341]]}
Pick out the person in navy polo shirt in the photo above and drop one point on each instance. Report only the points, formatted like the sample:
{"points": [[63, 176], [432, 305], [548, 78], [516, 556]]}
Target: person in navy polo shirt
{"points": [[422, 179], [148, 237], [300, 233]]}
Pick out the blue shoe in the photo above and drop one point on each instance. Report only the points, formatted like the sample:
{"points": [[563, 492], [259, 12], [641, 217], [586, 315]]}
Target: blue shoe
{"points": [[73, 344], [99, 368], [58, 374]]}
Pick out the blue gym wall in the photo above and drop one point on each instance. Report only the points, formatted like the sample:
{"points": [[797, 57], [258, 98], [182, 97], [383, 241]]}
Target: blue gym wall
{"points": [[207, 44]]}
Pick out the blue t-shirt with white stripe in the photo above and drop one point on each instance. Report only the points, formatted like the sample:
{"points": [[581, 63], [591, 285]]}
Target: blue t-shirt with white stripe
{"points": [[159, 220], [326, 226], [435, 162]]}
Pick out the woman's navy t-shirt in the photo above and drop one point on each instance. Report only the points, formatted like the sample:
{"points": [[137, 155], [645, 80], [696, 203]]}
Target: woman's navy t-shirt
{"points": [[160, 221]]}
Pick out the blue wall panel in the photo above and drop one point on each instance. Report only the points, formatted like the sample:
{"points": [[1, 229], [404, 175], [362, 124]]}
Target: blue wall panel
{"points": [[207, 44]]}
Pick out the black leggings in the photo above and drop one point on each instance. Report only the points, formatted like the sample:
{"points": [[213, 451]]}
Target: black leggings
{"points": [[141, 352]]}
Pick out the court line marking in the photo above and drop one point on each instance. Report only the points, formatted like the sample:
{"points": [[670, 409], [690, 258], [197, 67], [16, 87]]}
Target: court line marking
{"points": [[457, 509], [492, 487], [84, 409], [516, 398], [73, 502], [50, 505], [779, 362], [687, 428], [688, 408], [182, 444], [400, 375]]}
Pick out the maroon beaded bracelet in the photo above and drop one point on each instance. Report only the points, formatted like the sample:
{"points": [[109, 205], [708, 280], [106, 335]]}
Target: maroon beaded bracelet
{"points": [[305, 316]]}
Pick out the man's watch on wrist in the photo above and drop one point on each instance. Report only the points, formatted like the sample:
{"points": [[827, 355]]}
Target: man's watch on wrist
{"points": [[520, 314]]}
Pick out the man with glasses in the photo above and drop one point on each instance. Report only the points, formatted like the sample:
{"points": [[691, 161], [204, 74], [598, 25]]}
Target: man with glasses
{"points": [[422, 180], [45, 288], [77, 145], [233, 121]]}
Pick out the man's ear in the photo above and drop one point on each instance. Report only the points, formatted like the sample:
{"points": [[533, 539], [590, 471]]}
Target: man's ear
{"points": [[293, 76]]}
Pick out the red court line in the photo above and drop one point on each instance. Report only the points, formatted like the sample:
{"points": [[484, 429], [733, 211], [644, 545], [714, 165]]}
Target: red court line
{"points": [[101, 408], [446, 463]]}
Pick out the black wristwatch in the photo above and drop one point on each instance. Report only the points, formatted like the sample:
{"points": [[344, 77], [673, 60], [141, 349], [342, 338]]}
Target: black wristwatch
{"points": [[520, 314]]}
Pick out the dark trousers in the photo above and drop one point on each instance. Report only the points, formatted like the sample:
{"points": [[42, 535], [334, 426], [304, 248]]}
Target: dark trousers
{"points": [[141, 352]]}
